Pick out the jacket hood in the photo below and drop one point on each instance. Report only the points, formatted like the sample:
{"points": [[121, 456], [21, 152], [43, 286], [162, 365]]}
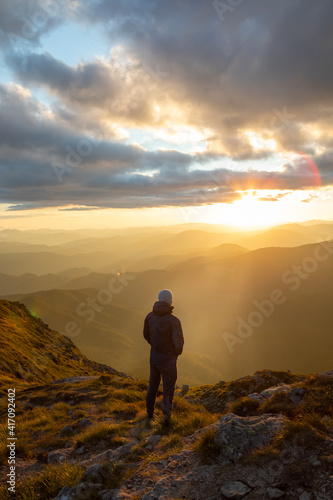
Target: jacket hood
{"points": [[160, 308]]}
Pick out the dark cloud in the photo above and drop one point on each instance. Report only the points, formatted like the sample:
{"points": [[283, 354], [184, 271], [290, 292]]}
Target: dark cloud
{"points": [[265, 68], [88, 84], [24, 22], [44, 164]]}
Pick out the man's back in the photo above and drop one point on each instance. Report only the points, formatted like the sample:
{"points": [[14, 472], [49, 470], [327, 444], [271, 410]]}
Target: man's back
{"points": [[163, 331]]}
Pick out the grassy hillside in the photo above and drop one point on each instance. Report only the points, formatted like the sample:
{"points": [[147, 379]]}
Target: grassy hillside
{"points": [[32, 352]]}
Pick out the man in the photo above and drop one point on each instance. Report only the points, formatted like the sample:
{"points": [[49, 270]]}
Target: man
{"points": [[163, 331]]}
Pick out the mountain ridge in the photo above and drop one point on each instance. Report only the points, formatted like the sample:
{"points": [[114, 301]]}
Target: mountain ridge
{"points": [[32, 352]]}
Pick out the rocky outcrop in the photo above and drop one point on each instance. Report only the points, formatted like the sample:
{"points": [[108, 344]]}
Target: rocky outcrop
{"points": [[110, 455], [235, 490], [259, 386], [237, 436]]}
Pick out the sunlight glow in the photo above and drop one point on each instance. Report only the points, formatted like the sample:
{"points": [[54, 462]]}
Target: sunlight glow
{"points": [[263, 208], [259, 143]]}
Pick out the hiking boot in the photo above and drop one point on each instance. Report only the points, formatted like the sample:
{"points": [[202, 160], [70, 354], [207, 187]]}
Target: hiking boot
{"points": [[149, 421], [166, 422]]}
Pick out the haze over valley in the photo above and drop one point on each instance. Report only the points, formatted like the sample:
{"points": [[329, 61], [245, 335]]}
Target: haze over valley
{"points": [[246, 301]]}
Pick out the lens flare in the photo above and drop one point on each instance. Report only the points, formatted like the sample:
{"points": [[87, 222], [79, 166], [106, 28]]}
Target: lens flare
{"points": [[307, 171]]}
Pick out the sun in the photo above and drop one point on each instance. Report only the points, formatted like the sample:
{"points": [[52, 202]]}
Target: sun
{"points": [[252, 211]]}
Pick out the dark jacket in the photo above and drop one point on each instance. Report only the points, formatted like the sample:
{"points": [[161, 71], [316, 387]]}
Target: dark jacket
{"points": [[163, 331]]}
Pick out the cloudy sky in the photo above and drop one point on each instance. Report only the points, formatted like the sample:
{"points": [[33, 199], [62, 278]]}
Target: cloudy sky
{"points": [[124, 112]]}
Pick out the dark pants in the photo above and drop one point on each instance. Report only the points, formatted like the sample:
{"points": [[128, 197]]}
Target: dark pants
{"points": [[168, 373]]}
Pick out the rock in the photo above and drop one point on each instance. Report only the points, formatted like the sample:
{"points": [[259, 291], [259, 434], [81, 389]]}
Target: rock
{"points": [[80, 491], [121, 495], [267, 393], [57, 456], [296, 395], [106, 494], [237, 436], [95, 474], [80, 451], [315, 462], [117, 454], [199, 432], [162, 488], [155, 438], [305, 496], [68, 429], [235, 489], [185, 389], [256, 397], [82, 424], [63, 493], [274, 492]]}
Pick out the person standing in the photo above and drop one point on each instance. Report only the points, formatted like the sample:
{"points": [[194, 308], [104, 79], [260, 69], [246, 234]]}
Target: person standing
{"points": [[163, 331]]}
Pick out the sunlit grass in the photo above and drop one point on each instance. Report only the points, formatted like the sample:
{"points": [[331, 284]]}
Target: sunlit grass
{"points": [[99, 432], [45, 484], [206, 446]]}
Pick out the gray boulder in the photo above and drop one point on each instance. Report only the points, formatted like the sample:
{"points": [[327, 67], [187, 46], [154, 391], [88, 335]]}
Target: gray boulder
{"points": [[95, 474], [153, 439], [235, 490], [256, 397], [238, 436], [114, 455], [267, 393], [57, 456], [80, 491], [296, 395], [82, 424], [274, 492], [68, 429], [79, 451], [107, 494], [63, 493]]}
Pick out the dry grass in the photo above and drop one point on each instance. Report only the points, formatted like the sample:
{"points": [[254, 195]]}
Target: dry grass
{"points": [[45, 484]]}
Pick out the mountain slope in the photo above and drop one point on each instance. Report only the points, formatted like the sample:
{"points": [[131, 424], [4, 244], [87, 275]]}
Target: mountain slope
{"points": [[32, 352]]}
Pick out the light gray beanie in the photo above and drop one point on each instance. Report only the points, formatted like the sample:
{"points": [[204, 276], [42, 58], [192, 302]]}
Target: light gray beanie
{"points": [[166, 296]]}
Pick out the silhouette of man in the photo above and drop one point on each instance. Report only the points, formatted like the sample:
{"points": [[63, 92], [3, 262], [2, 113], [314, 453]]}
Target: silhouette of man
{"points": [[163, 331]]}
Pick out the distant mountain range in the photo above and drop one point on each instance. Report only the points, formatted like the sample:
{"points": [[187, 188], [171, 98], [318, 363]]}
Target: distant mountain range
{"points": [[218, 293]]}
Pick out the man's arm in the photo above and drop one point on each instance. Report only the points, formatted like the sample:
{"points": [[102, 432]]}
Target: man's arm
{"points": [[146, 332], [177, 335]]}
